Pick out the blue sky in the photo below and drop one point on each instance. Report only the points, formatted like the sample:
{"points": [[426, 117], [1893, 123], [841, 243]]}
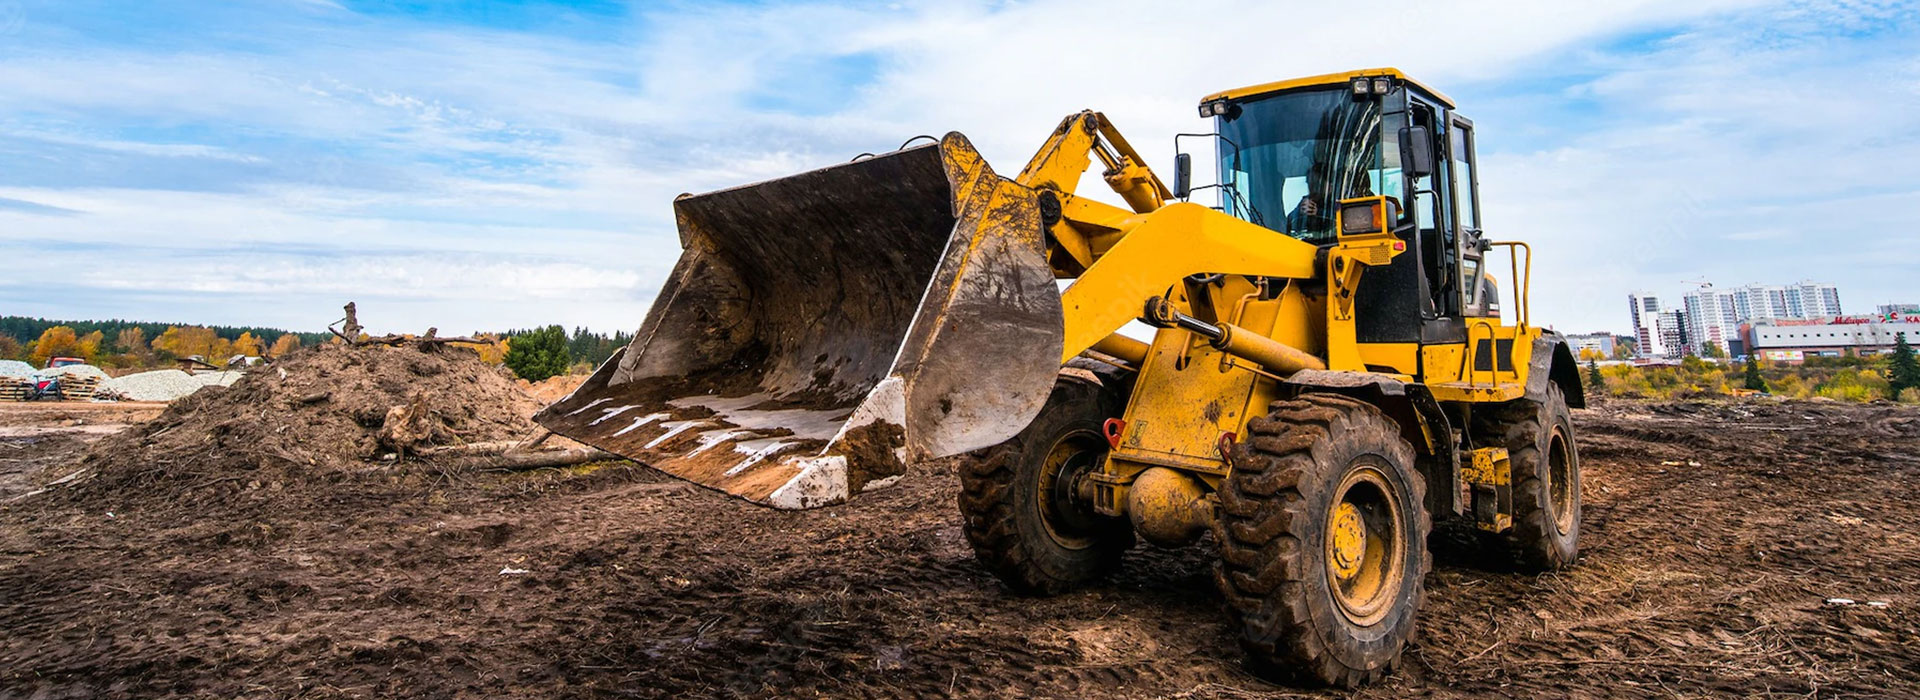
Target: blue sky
{"points": [[483, 166]]}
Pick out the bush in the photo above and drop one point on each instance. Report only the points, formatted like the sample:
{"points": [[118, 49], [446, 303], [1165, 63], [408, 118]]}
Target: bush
{"points": [[1839, 379], [1790, 386], [1857, 386], [536, 355]]}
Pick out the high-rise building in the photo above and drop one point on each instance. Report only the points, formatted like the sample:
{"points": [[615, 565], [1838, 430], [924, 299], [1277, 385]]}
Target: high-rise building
{"points": [[1672, 327], [1644, 309], [1806, 299], [1713, 318], [1761, 301], [1891, 310], [1712, 315], [1817, 300]]}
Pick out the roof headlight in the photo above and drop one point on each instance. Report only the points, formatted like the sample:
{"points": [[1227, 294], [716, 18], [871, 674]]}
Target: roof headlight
{"points": [[1382, 85], [1360, 87]]}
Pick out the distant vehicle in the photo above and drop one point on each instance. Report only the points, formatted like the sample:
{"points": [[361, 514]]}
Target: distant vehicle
{"points": [[53, 362]]}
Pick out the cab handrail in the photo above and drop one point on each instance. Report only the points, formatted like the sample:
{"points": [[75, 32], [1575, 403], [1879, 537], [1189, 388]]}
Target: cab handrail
{"points": [[1522, 283]]}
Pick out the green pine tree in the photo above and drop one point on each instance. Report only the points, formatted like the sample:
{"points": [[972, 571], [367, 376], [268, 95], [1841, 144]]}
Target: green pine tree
{"points": [[1904, 370], [1595, 381], [1754, 380], [536, 355]]}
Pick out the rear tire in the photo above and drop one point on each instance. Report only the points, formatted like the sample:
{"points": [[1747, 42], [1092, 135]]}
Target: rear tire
{"points": [[1538, 436], [1322, 529], [1023, 515]]}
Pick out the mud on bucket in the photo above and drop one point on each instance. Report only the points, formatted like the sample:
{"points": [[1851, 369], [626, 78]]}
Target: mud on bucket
{"points": [[821, 330]]}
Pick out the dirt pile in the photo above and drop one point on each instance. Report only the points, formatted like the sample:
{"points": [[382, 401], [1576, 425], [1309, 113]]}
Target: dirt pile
{"points": [[315, 414], [552, 388]]}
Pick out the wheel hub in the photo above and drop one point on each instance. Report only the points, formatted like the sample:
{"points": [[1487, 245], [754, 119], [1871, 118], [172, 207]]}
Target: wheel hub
{"points": [[1069, 519], [1365, 547], [1349, 540]]}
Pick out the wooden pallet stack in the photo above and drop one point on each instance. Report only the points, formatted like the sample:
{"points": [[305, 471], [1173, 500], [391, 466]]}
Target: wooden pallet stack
{"points": [[15, 388], [77, 387]]}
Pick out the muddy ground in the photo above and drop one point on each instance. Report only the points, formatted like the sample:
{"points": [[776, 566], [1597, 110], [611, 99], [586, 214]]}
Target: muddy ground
{"points": [[1714, 535]]}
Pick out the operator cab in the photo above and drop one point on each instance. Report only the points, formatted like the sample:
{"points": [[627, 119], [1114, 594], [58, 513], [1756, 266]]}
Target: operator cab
{"points": [[1290, 152]]}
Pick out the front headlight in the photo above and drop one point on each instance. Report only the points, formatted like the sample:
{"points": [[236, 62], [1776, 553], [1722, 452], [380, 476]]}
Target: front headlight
{"points": [[1361, 217]]}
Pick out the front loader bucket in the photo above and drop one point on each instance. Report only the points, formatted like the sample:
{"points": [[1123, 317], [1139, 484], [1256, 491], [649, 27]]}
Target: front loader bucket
{"points": [[821, 330]]}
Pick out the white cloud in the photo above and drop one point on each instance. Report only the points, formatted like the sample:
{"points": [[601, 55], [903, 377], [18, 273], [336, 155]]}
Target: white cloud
{"points": [[549, 165], [1744, 152]]}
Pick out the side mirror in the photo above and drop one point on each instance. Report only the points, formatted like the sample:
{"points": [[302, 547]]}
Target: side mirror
{"points": [[1182, 175], [1416, 151]]}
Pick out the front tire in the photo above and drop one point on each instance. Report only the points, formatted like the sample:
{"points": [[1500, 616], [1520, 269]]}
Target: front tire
{"points": [[1322, 530], [1023, 511], [1538, 436]]}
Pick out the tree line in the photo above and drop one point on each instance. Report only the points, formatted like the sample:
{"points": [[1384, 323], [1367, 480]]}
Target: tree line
{"points": [[23, 328], [533, 354], [538, 353], [118, 343], [1893, 376]]}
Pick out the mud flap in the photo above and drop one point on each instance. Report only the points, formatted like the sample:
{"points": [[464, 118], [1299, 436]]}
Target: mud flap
{"points": [[821, 331]]}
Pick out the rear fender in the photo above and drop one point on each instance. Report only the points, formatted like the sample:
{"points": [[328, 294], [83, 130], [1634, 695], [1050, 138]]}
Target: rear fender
{"points": [[1552, 361]]}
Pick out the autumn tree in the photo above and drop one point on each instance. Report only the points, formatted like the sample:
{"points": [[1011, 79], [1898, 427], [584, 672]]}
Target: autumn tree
{"points": [[493, 349], [187, 341], [91, 346], [284, 345], [57, 341], [132, 342], [248, 345], [11, 349]]}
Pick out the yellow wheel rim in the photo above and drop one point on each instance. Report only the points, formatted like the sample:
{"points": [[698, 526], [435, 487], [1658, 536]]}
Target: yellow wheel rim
{"points": [[1366, 545], [1560, 487]]}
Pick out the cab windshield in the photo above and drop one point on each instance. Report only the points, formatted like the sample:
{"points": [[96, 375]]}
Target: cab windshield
{"points": [[1299, 154]]}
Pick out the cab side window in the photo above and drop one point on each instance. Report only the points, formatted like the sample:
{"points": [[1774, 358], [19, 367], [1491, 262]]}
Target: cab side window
{"points": [[1466, 196], [1466, 210]]}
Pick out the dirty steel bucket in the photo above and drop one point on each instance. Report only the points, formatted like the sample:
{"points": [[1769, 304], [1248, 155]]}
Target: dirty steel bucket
{"points": [[820, 331]]}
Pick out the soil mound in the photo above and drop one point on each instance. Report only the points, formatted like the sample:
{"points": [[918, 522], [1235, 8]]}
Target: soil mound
{"points": [[317, 414], [552, 388]]}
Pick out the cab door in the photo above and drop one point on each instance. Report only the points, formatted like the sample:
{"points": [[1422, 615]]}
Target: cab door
{"points": [[1435, 207], [1475, 299]]}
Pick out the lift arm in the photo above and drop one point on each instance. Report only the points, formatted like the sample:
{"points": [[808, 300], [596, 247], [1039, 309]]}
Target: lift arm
{"points": [[1083, 229]]}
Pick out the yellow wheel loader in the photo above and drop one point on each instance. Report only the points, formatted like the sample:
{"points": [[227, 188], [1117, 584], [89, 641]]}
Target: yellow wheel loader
{"points": [[1321, 364]]}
